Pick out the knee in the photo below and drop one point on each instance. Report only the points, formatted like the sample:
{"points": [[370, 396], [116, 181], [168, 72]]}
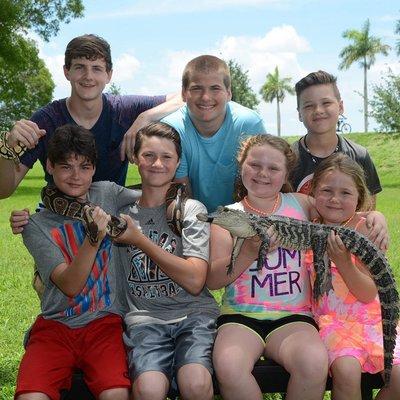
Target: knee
{"points": [[146, 390], [230, 368], [311, 364], [114, 394], [346, 375], [200, 387]]}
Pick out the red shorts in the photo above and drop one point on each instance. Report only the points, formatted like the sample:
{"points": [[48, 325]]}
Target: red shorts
{"points": [[54, 351]]}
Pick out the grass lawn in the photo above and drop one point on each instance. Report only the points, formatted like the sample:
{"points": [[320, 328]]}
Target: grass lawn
{"points": [[20, 305]]}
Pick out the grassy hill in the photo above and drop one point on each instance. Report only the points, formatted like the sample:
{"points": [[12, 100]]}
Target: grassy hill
{"points": [[19, 304]]}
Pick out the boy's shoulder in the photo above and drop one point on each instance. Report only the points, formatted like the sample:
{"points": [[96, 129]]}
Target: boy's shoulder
{"points": [[348, 146], [239, 111]]}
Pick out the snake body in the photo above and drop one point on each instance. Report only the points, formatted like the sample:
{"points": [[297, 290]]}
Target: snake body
{"points": [[62, 204]]}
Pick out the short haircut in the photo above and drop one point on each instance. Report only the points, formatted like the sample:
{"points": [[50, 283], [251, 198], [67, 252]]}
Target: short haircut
{"points": [[316, 78], [160, 130], [69, 140], [91, 47], [343, 163], [261, 140], [206, 64]]}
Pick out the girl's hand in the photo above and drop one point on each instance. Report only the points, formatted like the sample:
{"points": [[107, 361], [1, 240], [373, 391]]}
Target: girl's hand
{"points": [[337, 251], [132, 233], [274, 242]]}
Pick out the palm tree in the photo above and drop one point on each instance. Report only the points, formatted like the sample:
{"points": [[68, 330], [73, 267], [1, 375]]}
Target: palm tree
{"points": [[363, 49], [276, 88]]}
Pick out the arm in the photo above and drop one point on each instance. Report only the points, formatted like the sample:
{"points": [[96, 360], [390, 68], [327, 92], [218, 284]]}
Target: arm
{"points": [[26, 133], [71, 278], [190, 272], [221, 246], [355, 276], [172, 103], [377, 229]]}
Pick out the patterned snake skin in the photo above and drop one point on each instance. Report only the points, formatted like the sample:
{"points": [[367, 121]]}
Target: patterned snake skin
{"points": [[56, 201], [302, 235]]}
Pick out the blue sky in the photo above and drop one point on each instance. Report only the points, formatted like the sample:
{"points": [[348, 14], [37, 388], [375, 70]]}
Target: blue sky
{"points": [[152, 40]]}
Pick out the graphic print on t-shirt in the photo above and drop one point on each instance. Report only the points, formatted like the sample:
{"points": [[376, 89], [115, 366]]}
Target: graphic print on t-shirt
{"points": [[146, 279], [95, 295]]}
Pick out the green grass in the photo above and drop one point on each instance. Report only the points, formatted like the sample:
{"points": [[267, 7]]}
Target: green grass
{"points": [[20, 305]]}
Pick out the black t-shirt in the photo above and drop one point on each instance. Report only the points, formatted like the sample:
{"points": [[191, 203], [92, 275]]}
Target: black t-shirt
{"points": [[302, 174]]}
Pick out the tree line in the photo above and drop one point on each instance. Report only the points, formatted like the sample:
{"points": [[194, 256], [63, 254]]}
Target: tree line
{"points": [[26, 83]]}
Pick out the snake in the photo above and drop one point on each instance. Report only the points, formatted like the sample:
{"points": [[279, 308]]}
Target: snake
{"points": [[60, 203]]}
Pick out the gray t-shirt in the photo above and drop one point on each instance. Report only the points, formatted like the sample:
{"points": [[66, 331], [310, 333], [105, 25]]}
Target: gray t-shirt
{"points": [[153, 297], [53, 239]]}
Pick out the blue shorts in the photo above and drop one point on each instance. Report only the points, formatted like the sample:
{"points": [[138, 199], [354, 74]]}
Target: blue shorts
{"points": [[263, 327], [167, 347]]}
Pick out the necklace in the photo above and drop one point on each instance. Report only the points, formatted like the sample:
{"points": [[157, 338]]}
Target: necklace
{"points": [[260, 212], [345, 223], [314, 158]]}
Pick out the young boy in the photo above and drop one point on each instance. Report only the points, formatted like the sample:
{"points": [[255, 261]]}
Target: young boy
{"points": [[319, 106], [113, 120], [171, 315], [211, 128], [79, 325]]}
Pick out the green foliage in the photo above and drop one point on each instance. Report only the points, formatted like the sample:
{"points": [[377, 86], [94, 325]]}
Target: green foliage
{"points": [[397, 31], [26, 83], [364, 48], [385, 103], [242, 93], [276, 88], [114, 89]]}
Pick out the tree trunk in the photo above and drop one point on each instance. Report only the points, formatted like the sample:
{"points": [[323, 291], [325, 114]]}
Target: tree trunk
{"points": [[278, 116], [365, 97]]}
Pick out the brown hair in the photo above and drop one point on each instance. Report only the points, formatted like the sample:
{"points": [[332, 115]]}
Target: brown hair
{"points": [[91, 47], [71, 140], [206, 64], [316, 78], [161, 130], [260, 140], [343, 163]]}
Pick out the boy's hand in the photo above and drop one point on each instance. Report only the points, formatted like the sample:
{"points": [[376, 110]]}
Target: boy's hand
{"points": [[101, 219], [18, 219], [132, 233], [378, 229], [26, 133]]}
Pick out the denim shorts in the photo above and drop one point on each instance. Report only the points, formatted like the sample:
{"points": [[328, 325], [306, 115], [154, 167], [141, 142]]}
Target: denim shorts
{"points": [[167, 347]]}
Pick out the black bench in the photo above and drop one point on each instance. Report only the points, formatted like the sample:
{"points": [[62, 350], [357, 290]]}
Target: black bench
{"points": [[271, 377]]}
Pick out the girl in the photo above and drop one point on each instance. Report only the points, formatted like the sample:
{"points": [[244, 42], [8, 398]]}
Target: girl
{"points": [[171, 316], [266, 313], [349, 316]]}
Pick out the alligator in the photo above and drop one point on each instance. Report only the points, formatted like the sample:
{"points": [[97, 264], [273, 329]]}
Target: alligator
{"points": [[302, 235]]}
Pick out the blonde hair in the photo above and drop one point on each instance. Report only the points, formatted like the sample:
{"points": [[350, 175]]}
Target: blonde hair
{"points": [[206, 64], [261, 140], [343, 163]]}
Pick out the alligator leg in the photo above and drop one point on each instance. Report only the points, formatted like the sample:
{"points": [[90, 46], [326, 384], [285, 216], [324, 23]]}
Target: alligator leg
{"points": [[323, 277]]}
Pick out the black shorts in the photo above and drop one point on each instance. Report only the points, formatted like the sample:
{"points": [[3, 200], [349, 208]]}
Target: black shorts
{"points": [[263, 327]]}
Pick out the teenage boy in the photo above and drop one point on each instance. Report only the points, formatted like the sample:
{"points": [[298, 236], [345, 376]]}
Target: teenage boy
{"points": [[319, 106], [211, 128], [113, 120], [79, 325], [170, 323]]}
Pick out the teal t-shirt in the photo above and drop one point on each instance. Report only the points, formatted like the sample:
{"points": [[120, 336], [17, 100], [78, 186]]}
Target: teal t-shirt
{"points": [[210, 162]]}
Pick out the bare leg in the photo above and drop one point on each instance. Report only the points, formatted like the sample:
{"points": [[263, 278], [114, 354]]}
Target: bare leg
{"points": [[195, 382], [299, 349], [346, 376], [33, 396], [151, 385], [236, 350], [393, 391], [114, 394]]}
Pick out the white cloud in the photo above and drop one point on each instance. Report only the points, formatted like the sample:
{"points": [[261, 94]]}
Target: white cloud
{"points": [[124, 68]]}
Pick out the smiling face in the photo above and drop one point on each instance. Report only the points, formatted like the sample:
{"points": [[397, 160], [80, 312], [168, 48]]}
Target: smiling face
{"points": [[336, 197], [206, 96], [319, 109], [264, 171], [88, 78], [157, 161], [72, 176]]}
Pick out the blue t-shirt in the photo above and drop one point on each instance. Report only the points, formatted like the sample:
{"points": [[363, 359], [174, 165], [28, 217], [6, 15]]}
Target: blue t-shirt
{"points": [[210, 162], [118, 114]]}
